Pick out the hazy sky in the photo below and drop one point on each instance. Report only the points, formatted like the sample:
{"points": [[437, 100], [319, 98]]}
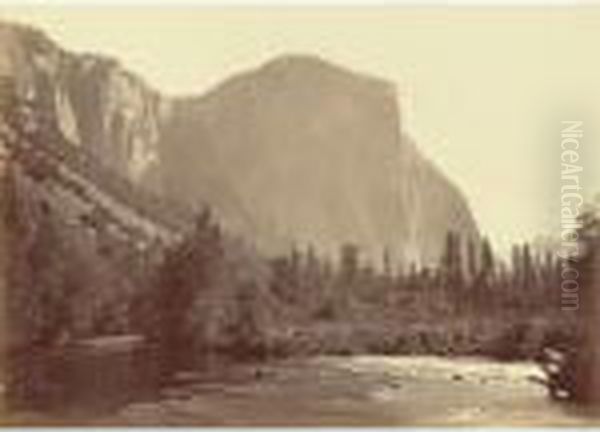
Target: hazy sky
{"points": [[483, 91]]}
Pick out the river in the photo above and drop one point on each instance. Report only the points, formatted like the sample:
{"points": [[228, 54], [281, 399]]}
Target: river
{"points": [[351, 391]]}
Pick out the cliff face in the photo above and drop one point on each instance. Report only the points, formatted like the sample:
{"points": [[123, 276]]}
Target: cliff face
{"points": [[298, 151], [97, 105], [304, 151]]}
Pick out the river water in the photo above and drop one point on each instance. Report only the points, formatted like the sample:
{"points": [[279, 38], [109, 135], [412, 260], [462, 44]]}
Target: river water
{"points": [[353, 391]]}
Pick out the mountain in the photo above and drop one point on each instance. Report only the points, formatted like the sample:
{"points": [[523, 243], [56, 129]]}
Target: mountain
{"points": [[296, 152]]}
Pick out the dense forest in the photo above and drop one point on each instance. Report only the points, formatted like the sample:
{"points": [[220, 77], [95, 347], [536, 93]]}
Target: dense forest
{"points": [[210, 293]]}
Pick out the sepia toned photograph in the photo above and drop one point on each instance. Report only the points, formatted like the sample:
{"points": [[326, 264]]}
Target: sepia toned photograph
{"points": [[299, 216]]}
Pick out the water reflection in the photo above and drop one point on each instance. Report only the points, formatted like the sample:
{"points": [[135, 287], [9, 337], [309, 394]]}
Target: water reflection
{"points": [[91, 377]]}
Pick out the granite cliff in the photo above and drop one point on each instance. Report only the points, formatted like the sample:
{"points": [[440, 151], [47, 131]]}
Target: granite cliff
{"points": [[296, 152]]}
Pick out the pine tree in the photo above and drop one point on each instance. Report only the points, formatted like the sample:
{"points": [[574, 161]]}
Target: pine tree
{"points": [[486, 278], [186, 271], [517, 266], [472, 262], [451, 266], [487, 259], [387, 263], [528, 269], [349, 262]]}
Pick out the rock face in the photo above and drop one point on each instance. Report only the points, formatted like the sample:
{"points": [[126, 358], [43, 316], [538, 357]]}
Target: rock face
{"points": [[298, 151], [97, 105]]}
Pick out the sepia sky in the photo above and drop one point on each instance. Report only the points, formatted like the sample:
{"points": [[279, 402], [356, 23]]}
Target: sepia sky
{"points": [[483, 91]]}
